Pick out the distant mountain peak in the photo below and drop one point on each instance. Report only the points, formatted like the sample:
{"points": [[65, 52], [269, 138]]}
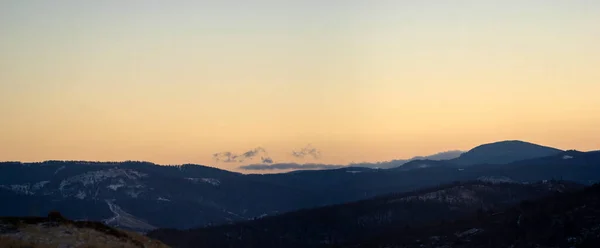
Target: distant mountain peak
{"points": [[512, 144], [508, 142], [502, 152]]}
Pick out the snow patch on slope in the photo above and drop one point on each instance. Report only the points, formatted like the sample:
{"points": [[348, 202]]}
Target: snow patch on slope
{"points": [[25, 189], [133, 193], [39, 185], [495, 179], [444, 196], [456, 195], [94, 177], [81, 195], [59, 169], [212, 181], [115, 187], [469, 232], [124, 219], [22, 189]]}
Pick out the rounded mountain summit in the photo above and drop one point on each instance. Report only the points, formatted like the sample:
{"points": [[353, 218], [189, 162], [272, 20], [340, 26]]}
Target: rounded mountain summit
{"points": [[504, 152]]}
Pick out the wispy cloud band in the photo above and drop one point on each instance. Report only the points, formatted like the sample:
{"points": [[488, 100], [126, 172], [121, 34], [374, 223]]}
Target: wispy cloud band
{"points": [[289, 166]]}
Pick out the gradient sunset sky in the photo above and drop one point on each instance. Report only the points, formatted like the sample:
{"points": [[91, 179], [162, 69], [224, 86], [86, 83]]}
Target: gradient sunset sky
{"points": [[176, 81]]}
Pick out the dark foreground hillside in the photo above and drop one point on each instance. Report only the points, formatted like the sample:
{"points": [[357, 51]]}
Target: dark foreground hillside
{"points": [[360, 221], [56, 231]]}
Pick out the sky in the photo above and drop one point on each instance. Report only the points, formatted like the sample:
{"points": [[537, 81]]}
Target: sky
{"points": [[179, 81]]}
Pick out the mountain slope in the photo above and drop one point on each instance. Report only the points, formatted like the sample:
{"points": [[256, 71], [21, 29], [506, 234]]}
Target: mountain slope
{"points": [[561, 220], [139, 195], [341, 223], [503, 152]]}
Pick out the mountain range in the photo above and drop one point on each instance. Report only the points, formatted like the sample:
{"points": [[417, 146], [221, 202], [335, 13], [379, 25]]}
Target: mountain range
{"points": [[447, 155], [143, 196]]}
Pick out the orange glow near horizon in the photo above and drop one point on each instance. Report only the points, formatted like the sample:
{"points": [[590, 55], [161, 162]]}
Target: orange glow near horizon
{"points": [[174, 82]]}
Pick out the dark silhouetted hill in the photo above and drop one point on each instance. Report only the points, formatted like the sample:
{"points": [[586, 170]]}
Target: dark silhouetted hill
{"points": [[569, 219], [503, 152]]}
